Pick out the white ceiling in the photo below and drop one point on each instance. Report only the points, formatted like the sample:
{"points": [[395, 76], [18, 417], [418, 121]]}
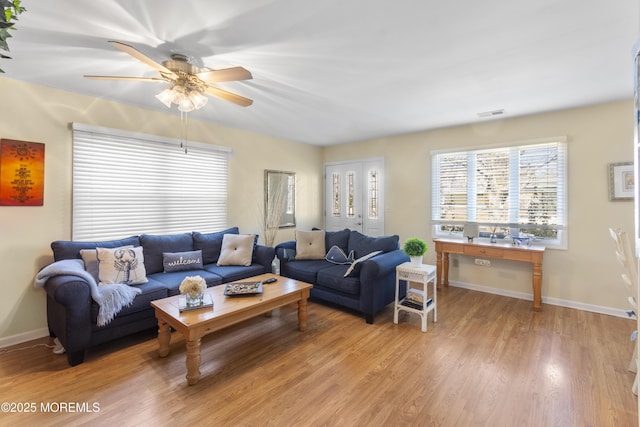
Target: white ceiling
{"points": [[335, 71]]}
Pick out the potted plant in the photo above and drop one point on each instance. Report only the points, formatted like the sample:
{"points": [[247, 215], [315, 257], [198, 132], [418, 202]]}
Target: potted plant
{"points": [[415, 248]]}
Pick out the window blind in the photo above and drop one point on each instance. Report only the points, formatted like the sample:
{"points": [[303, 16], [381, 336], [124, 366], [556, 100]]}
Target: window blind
{"points": [[128, 183], [519, 189]]}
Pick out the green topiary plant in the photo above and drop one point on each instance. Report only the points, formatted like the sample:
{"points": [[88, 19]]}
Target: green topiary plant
{"points": [[11, 9], [415, 247]]}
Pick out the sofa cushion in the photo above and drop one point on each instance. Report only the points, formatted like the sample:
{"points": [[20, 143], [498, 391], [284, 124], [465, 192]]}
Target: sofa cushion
{"points": [[310, 244], [305, 270], [155, 245], [172, 280], [65, 249], [231, 273], [237, 249], [182, 261], [333, 278], [211, 243], [363, 245], [338, 238], [121, 265]]}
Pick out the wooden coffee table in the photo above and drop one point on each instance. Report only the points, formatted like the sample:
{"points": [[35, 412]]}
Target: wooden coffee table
{"points": [[226, 311]]}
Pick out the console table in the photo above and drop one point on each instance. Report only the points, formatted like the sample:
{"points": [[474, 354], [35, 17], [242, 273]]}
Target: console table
{"points": [[530, 254]]}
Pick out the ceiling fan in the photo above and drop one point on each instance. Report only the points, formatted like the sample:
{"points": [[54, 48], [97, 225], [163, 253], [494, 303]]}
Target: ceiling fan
{"points": [[188, 82]]}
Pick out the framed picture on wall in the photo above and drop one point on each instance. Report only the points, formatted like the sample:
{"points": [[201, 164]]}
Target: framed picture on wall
{"points": [[621, 181]]}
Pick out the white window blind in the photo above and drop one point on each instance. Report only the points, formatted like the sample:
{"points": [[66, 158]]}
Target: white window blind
{"points": [[129, 183], [511, 190]]}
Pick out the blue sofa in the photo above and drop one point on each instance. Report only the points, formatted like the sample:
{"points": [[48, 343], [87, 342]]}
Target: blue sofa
{"points": [[72, 314], [367, 290]]}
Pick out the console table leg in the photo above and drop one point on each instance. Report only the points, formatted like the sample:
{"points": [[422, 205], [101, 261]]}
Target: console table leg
{"points": [[439, 269], [445, 266], [164, 337], [537, 286], [193, 361]]}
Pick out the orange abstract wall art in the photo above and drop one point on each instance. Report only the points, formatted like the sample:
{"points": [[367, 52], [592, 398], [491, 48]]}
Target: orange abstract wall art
{"points": [[21, 173]]}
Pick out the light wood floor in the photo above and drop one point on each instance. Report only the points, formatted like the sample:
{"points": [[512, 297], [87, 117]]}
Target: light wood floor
{"points": [[488, 361]]}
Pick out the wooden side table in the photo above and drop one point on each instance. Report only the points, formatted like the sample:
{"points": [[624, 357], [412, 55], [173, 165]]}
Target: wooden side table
{"points": [[423, 274]]}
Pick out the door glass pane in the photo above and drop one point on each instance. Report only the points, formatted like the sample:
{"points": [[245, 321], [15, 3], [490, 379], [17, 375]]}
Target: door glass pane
{"points": [[335, 211], [351, 188], [372, 195]]}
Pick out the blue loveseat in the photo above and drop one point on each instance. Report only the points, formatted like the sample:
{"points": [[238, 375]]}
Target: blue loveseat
{"points": [[72, 314], [368, 289]]}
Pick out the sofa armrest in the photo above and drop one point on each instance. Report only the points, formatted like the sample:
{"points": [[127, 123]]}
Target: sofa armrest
{"points": [[378, 282], [286, 251], [69, 291], [381, 265], [264, 255], [69, 314]]}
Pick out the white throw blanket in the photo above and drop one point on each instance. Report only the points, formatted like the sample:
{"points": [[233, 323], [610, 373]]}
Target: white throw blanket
{"points": [[110, 297]]}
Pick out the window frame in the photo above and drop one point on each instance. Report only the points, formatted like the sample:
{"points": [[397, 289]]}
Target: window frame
{"points": [[561, 229]]}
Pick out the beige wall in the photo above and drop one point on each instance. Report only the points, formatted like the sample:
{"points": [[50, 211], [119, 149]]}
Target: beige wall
{"points": [[38, 114], [587, 274]]}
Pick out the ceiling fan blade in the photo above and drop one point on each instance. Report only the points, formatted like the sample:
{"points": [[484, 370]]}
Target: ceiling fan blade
{"points": [[140, 56], [225, 75], [228, 96], [141, 79]]}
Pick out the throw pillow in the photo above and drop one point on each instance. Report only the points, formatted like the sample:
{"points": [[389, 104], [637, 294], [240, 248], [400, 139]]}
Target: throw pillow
{"points": [[337, 256], [237, 249], [121, 265], [90, 259], [354, 269], [310, 244], [182, 261], [211, 243]]}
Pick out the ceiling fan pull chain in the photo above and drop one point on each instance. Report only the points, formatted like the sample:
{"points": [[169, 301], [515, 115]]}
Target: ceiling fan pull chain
{"points": [[183, 132]]}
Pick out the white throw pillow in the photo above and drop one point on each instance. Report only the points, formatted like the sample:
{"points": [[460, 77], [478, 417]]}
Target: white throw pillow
{"points": [[121, 265], [90, 259], [237, 249]]}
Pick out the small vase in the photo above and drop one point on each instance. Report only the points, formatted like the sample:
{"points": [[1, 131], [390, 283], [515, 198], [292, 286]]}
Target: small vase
{"points": [[194, 300], [416, 260], [493, 238]]}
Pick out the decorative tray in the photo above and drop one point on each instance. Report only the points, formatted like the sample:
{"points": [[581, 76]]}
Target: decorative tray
{"points": [[243, 288]]}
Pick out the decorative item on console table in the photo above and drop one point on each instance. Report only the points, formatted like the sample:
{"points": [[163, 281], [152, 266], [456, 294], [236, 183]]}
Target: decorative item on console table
{"points": [[415, 248]]}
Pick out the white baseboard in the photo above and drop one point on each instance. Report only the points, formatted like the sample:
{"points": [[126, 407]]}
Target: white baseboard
{"points": [[24, 337], [618, 312]]}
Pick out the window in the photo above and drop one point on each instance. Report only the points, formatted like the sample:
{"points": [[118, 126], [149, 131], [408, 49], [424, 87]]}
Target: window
{"points": [[512, 191], [128, 183]]}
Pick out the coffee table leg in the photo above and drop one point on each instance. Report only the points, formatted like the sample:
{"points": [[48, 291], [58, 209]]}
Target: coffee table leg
{"points": [[193, 361], [164, 337], [302, 314]]}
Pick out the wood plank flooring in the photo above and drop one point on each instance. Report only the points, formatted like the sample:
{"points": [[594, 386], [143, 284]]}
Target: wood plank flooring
{"points": [[488, 361]]}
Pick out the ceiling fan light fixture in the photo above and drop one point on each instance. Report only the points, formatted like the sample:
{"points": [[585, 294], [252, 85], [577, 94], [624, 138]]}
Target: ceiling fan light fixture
{"points": [[198, 99], [187, 99], [166, 97]]}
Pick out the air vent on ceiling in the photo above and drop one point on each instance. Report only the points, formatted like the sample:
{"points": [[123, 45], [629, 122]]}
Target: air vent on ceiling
{"points": [[490, 113]]}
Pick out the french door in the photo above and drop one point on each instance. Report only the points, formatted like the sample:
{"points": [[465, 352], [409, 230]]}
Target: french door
{"points": [[354, 196]]}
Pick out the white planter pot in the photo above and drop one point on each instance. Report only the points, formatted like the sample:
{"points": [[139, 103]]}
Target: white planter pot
{"points": [[416, 260]]}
